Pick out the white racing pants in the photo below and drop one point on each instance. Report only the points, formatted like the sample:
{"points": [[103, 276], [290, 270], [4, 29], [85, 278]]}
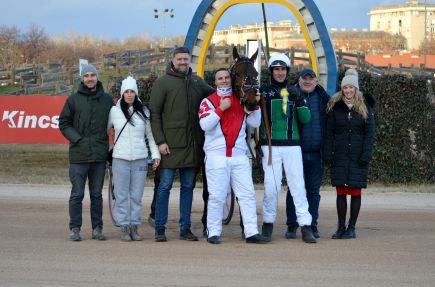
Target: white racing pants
{"points": [[291, 158], [222, 172]]}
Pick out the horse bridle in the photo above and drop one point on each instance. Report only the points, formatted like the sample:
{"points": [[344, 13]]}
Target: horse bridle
{"points": [[249, 82]]}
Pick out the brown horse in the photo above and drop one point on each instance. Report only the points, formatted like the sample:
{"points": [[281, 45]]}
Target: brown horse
{"points": [[244, 79]]}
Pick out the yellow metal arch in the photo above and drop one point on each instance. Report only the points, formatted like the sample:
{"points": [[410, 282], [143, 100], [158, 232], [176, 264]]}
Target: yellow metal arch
{"points": [[223, 8]]}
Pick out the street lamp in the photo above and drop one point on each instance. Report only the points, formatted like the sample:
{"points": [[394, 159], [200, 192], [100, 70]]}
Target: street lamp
{"points": [[425, 34], [162, 14]]}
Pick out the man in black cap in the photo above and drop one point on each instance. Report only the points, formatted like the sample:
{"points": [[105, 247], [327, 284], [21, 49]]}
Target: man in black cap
{"points": [[83, 121], [312, 138]]}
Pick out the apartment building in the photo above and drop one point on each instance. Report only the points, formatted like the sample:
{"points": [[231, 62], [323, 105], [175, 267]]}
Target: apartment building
{"points": [[238, 34], [409, 19]]}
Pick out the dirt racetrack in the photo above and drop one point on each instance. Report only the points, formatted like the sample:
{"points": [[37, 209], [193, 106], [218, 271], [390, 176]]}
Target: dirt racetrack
{"points": [[395, 246]]}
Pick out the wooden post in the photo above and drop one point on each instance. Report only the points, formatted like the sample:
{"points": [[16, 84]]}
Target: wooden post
{"points": [[292, 56], [212, 53], [363, 61], [37, 75], [358, 61], [117, 65], [13, 76], [340, 60], [70, 76]]}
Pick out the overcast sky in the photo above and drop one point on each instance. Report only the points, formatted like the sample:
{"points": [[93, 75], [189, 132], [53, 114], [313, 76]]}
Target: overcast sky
{"points": [[117, 19]]}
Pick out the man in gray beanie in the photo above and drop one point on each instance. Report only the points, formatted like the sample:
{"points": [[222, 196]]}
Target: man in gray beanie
{"points": [[83, 122], [89, 68]]}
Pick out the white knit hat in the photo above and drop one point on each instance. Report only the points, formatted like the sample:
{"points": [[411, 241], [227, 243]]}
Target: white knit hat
{"points": [[350, 78], [129, 83]]}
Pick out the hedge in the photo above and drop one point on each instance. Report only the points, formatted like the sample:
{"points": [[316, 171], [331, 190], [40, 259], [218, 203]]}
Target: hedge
{"points": [[404, 113]]}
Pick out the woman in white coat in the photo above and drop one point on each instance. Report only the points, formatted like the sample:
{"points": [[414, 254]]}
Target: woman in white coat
{"points": [[134, 144]]}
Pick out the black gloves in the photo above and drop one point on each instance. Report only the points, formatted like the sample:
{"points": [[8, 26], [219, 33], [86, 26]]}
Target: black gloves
{"points": [[296, 95]]}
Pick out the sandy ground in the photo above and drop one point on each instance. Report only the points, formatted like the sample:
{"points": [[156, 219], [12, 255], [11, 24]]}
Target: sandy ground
{"points": [[395, 246]]}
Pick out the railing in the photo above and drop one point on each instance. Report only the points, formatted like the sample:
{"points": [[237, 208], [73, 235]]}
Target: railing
{"points": [[60, 79]]}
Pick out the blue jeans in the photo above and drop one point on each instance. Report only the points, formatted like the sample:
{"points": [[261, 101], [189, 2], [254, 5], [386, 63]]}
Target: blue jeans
{"points": [[129, 178], [313, 174], [187, 178], [78, 174]]}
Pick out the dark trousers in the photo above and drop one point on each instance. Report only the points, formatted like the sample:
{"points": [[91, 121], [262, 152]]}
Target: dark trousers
{"points": [[78, 174], [313, 174]]}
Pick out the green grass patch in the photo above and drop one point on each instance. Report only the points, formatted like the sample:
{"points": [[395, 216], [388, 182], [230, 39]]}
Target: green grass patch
{"points": [[9, 88], [34, 164]]}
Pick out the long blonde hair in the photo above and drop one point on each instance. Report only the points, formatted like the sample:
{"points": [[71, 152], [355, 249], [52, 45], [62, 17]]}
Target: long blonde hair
{"points": [[358, 104]]}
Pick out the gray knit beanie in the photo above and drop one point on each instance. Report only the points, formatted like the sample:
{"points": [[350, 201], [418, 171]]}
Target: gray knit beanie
{"points": [[88, 68], [350, 78]]}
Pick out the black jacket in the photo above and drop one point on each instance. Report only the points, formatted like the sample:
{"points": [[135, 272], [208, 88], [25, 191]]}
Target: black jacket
{"points": [[348, 145], [83, 121]]}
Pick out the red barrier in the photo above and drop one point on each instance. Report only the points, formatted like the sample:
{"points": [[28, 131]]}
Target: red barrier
{"points": [[31, 119]]}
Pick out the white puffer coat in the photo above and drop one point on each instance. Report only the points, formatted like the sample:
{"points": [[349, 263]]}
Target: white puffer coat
{"points": [[131, 144]]}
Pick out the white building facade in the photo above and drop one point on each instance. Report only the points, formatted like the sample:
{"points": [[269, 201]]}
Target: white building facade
{"points": [[409, 20]]}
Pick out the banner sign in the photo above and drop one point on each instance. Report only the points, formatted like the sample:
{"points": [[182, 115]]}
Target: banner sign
{"points": [[31, 119]]}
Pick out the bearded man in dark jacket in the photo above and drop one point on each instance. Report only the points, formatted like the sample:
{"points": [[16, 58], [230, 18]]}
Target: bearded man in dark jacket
{"points": [[174, 104], [83, 122]]}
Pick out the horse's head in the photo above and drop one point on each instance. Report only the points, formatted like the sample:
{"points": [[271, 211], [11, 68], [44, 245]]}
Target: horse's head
{"points": [[244, 79]]}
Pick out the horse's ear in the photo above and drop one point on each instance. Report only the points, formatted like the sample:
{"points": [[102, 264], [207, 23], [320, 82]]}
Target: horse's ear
{"points": [[254, 56], [235, 54]]}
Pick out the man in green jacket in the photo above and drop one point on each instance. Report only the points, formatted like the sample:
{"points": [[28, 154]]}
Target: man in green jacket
{"points": [[174, 104], [83, 121]]}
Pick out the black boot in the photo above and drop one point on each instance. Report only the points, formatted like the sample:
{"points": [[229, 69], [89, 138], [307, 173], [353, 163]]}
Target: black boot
{"points": [[307, 234], [341, 212], [355, 205], [350, 232], [339, 233], [316, 232], [160, 235], [257, 238], [266, 231], [291, 232]]}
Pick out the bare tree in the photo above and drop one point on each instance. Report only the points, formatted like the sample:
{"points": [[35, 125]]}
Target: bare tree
{"points": [[430, 47], [33, 43], [367, 42], [9, 54]]}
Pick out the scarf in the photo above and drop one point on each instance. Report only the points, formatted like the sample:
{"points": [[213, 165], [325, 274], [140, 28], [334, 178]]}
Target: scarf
{"points": [[349, 103], [223, 92]]}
